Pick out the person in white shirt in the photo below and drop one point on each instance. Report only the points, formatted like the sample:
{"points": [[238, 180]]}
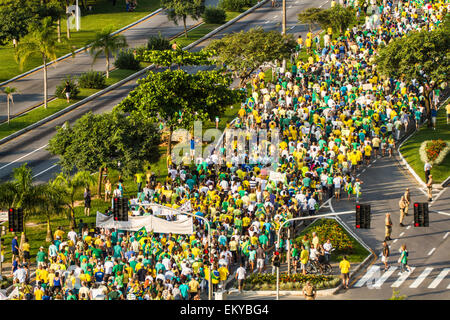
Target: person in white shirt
{"points": [[312, 206], [240, 276], [72, 235], [327, 247], [109, 265], [337, 187]]}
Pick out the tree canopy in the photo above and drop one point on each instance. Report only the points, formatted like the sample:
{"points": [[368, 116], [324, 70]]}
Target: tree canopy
{"points": [[422, 56], [338, 18], [244, 52], [177, 57], [179, 98], [102, 140]]}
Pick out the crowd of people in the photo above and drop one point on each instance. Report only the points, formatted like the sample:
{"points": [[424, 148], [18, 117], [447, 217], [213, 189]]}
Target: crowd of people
{"points": [[334, 113]]}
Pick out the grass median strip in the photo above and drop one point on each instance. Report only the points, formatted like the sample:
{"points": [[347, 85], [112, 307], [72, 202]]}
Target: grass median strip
{"points": [[410, 149]]}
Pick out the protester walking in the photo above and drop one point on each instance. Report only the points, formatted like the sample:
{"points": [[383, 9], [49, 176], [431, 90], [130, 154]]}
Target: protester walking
{"points": [[344, 265], [403, 260]]}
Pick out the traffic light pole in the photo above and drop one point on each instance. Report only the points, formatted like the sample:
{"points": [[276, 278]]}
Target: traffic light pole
{"points": [[296, 219]]}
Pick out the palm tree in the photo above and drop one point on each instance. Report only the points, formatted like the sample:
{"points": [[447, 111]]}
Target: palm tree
{"points": [[71, 185], [7, 194], [107, 44], [9, 91], [41, 41], [181, 9], [52, 201], [27, 196]]}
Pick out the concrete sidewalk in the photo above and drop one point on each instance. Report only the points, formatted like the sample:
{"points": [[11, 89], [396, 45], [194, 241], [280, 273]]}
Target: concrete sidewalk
{"points": [[31, 87]]}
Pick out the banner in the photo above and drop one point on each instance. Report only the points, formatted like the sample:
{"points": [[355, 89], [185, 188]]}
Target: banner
{"points": [[158, 209], [367, 86], [150, 223], [277, 176]]}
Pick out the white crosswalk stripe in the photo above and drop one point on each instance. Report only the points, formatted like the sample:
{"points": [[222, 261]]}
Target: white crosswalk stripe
{"points": [[384, 277], [368, 276], [375, 277], [422, 277], [402, 278], [439, 278]]}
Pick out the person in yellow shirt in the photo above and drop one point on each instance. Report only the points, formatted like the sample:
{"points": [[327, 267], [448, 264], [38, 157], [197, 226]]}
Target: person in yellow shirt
{"points": [[38, 293], [367, 153], [344, 265], [59, 233]]}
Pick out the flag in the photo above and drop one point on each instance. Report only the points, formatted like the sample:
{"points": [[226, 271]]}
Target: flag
{"points": [[140, 233]]}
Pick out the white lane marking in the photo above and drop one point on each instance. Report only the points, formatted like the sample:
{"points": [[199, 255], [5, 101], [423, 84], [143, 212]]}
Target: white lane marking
{"points": [[441, 212], [439, 278], [8, 164], [446, 235], [363, 171], [402, 278], [290, 7], [385, 276], [422, 277], [369, 275], [55, 165], [275, 17], [431, 251], [358, 174], [401, 234], [374, 160], [408, 227], [394, 241], [423, 191], [291, 27], [266, 22], [369, 165]]}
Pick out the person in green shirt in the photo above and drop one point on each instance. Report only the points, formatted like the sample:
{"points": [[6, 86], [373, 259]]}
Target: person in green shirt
{"points": [[41, 256]]}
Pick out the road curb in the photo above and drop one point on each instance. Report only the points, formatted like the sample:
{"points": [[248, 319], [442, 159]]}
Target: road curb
{"points": [[78, 50], [319, 293], [229, 23]]}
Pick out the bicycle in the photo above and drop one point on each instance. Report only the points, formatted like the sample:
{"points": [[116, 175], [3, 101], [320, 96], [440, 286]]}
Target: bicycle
{"points": [[314, 267]]}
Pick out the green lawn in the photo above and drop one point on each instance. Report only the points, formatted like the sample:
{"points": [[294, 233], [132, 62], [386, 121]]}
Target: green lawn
{"points": [[201, 31], [56, 105], [102, 15], [410, 149]]}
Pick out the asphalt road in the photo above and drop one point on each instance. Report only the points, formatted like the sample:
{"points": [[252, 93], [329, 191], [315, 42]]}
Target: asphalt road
{"points": [[31, 147]]}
